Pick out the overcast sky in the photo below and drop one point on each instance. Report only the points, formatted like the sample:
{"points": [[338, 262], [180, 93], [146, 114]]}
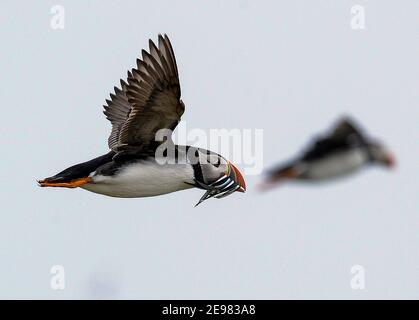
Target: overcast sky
{"points": [[290, 68]]}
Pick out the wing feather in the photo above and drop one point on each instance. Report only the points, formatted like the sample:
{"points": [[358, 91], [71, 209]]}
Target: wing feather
{"points": [[345, 134], [147, 102], [116, 111]]}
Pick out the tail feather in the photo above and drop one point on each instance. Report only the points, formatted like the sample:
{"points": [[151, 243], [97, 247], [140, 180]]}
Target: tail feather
{"points": [[76, 175], [276, 176]]}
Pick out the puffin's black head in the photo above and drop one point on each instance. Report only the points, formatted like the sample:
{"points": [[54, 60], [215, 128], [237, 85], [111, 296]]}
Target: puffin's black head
{"points": [[219, 177], [381, 155]]}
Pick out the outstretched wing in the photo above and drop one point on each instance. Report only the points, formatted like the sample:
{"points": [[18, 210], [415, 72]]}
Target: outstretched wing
{"points": [[345, 134], [345, 129], [148, 102]]}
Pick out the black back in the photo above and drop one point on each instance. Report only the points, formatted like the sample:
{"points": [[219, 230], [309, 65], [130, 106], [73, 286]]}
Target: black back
{"points": [[344, 136], [81, 170]]}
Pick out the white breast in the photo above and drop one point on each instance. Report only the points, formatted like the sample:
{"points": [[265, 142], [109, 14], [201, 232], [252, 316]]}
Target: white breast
{"points": [[336, 165], [143, 179]]}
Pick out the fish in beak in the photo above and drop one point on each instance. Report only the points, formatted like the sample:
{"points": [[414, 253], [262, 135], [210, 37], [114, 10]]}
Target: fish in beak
{"points": [[229, 183]]}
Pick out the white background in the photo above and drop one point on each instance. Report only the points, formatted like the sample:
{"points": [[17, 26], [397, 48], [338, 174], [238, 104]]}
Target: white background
{"points": [[288, 67]]}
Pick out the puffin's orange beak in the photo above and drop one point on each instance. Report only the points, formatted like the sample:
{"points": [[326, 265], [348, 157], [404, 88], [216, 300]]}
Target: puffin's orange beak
{"points": [[238, 178]]}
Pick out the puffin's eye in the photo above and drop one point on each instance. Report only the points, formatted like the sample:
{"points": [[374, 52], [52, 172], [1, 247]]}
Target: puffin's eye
{"points": [[218, 163]]}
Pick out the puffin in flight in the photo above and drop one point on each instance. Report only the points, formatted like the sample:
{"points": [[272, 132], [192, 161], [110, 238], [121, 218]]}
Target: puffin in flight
{"points": [[143, 161], [345, 150]]}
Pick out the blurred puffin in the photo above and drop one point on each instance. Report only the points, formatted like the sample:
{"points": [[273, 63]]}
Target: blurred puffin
{"points": [[140, 163], [345, 150]]}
